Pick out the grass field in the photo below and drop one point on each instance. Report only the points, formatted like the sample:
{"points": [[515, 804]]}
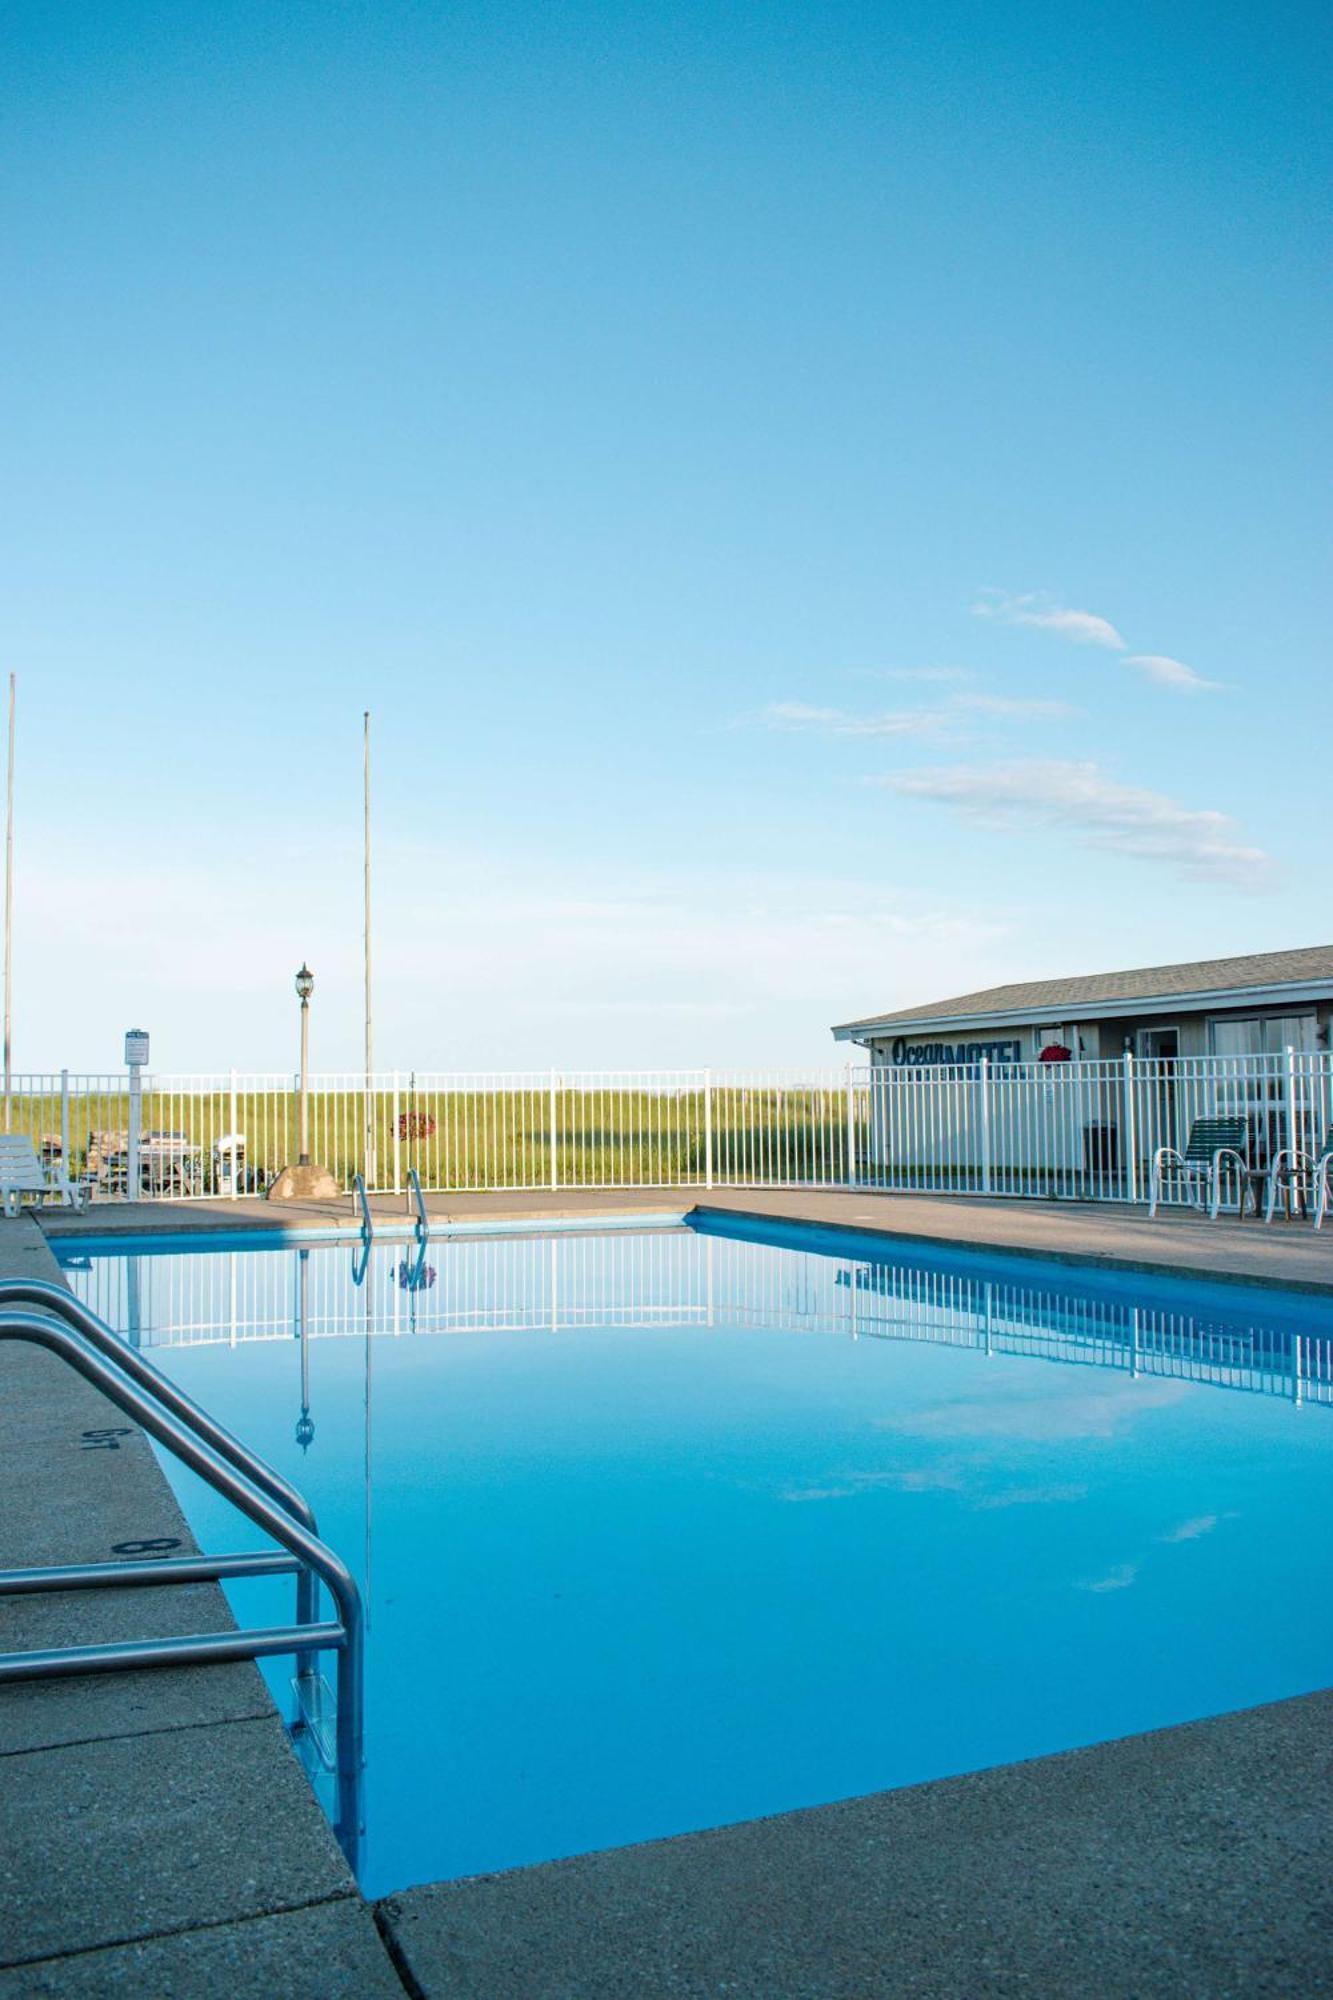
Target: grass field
{"points": [[455, 1138]]}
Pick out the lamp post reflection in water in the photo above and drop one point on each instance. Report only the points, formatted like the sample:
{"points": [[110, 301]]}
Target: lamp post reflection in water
{"points": [[305, 1428]]}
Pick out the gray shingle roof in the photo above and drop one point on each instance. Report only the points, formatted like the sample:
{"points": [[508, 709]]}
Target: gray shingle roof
{"points": [[1152, 982]]}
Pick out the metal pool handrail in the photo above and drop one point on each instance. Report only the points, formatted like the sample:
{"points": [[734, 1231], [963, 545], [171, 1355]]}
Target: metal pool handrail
{"points": [[345, 1634], [362, 1199], [414, 1190], [54, 1299]]}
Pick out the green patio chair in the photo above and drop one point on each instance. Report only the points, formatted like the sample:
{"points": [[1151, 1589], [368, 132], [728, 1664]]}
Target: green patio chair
{"points": [[1198, 1170]]}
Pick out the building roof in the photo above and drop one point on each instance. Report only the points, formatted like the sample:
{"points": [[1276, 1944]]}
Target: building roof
{"points": [[1105, 992]]}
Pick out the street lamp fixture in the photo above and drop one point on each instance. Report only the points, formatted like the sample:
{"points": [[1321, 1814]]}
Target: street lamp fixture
{"points": [[305, 983]]}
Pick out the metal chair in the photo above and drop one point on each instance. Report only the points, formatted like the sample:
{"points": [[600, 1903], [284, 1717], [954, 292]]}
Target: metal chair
{"points": [[1294, 1171], [1212, 1141]]}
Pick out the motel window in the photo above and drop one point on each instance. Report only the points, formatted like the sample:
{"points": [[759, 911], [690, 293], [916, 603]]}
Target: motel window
{"points": [[1259, 1098], [1260, 1035]]}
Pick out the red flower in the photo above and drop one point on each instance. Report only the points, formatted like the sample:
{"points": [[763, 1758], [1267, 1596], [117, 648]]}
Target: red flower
{"points": [[416, 1125]]}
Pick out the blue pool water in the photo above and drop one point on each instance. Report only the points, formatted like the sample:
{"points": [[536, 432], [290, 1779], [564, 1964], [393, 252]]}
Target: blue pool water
{"points": [[660, 1530]]}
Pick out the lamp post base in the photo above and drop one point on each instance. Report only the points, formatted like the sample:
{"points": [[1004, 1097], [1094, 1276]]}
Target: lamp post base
{"points": [[304, 1183]]}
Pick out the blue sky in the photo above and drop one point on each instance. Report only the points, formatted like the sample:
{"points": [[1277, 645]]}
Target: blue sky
{"points": [[827, 507]]}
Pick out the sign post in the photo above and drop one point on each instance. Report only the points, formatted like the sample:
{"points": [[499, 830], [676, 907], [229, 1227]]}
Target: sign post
{"points": [[136, 1061]]}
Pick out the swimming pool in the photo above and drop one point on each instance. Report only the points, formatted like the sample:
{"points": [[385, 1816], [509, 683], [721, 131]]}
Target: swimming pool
{"points": [[661, 1529]]}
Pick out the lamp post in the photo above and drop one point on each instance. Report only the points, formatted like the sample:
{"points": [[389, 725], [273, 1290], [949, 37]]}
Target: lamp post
{"points": [[304, 1181], [305, 986]]}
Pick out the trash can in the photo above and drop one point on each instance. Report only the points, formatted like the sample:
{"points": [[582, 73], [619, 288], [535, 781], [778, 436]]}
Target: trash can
{"points": [[1101, 1149], [229, 1163]]}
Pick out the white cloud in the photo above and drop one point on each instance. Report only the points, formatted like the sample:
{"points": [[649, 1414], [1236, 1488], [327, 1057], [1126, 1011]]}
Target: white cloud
{"points": [[1023, 706], [1122, 819], [1085, 628], [1033, 1496], [801, 715], [1119, 1578], [912, 721], [1191, 1530], [936, 674], [838, 722], [911, 1479], [1160, 667], [1098, 1412]]}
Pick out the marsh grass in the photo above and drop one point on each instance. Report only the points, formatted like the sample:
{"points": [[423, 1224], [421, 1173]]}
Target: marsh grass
{"points": [[458, 1139]]}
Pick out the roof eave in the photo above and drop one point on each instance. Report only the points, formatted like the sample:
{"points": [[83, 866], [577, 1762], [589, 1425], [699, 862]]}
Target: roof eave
{"points": [[1088, 1010]]}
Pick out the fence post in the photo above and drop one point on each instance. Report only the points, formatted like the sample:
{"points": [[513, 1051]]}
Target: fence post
{"points": [[397, 1138], [983, 1070], [64, 1122], [1129, 1143], [132, 1188], [708, 1128], [1293, 1133], [233, 1153], [851, 1130], [555, 1169]]}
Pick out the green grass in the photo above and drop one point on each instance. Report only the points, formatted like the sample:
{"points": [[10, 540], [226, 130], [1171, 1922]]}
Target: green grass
{"points": [[478, 1139]]}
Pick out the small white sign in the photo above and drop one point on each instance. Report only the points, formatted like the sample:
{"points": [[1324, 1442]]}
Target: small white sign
{"points": [[136, 1049]]}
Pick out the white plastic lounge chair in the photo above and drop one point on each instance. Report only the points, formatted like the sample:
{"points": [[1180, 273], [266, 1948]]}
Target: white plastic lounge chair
{"points": [[1308, 1174], [1199, 1169], [21, 1172]]}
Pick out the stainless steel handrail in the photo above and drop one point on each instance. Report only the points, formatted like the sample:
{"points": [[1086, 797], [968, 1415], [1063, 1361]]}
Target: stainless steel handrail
{"points": [[158, 1569], [360, 1196], [422, 1224], [346, 1634], [55, 1299]]}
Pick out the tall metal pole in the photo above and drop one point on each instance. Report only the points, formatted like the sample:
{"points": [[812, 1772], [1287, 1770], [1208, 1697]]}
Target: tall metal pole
{"points": [[370, 1032], [9, 917]]}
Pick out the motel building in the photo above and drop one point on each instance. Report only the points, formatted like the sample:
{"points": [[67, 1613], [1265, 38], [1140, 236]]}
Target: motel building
{"points": [[1194, 1033]]}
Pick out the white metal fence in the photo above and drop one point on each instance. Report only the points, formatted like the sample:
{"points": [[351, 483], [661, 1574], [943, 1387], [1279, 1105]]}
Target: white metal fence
{"points": [[1073, 1131], [1084, 1130]]}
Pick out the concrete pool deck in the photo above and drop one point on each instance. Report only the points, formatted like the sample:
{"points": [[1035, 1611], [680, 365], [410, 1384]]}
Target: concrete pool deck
{"points": [[1178, 1863], [158, 1836]]}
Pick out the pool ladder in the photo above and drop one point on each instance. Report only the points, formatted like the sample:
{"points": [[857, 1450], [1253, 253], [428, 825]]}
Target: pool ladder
{"points": [[421, 1226], [88, 1345], [422, 1223]]}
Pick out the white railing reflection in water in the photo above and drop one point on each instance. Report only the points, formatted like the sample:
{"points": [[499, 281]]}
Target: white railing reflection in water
{"points": [[1074, 1131], [674, 1278]]}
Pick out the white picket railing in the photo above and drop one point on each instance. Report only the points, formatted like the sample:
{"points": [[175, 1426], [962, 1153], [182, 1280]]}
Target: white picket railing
{"points": [[1084, 1130], [1072, 1131]]}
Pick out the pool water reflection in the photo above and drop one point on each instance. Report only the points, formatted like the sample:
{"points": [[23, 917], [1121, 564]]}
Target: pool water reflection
{"points": [[660, 1530]]}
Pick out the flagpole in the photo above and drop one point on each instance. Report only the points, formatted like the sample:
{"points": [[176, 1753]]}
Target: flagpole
{"points": [[9, 915], [370, 1032]]}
